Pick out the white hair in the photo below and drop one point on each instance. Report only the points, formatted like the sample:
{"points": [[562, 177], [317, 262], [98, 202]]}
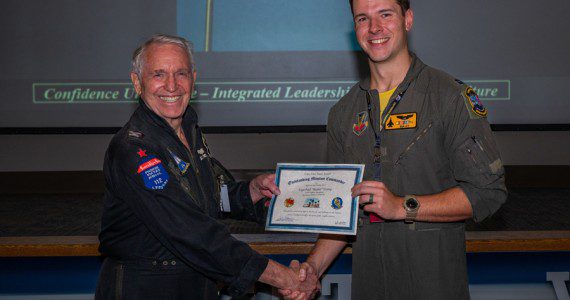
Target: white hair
{"points": [[137, 62]]}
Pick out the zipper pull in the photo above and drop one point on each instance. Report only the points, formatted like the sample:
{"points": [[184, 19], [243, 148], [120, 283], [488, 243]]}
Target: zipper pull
{"points": [[476, 141]]}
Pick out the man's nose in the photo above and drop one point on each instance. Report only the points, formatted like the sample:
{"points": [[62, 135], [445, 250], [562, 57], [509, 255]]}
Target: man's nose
{"points": [[375, 25], [171, 84]]}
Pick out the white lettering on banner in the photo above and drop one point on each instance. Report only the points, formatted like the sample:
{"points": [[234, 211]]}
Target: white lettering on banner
{"points": [[559, 282]]}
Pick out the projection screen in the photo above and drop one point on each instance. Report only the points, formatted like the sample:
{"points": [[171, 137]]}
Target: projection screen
{"points": [[271, 62]]}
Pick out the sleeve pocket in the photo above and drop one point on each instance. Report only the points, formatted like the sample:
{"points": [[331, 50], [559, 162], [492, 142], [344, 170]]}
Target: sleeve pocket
{"points": [[477, 162]]}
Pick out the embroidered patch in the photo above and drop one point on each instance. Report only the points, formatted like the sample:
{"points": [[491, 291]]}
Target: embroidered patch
{"points": [[474, 105], [402, 121], [153, 173], [361, 123], [182, 165], [336, 203], [141, 153], [202, 153], [135, 134]]}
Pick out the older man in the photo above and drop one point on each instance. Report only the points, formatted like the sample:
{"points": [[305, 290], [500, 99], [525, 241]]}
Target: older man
{"points": [[431, 163], [160, 234]]}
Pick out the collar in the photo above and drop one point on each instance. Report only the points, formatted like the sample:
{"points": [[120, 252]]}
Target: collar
{"points": [[416, 67], [152, 119]]}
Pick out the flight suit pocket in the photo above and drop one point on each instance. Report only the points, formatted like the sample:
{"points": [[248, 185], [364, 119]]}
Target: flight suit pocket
{"points": [[478, 161], [422, 161], [428, 226], [441, 260]]}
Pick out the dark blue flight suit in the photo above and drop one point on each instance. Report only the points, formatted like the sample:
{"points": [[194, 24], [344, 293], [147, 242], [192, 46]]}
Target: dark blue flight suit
{"points": [[160, 229]]}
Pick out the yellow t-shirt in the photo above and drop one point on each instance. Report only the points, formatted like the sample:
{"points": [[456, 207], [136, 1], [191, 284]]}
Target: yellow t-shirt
{"points": [[384, 98]]}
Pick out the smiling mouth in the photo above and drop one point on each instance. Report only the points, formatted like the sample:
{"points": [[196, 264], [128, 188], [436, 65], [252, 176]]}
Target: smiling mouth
{"points": [[170, 99], [379, 41]]}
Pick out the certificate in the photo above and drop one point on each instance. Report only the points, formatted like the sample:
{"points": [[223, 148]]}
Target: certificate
{"points": [[315, 198]]}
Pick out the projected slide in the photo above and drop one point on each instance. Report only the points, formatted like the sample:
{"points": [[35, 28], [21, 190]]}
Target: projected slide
{"points": [[271, 62]]}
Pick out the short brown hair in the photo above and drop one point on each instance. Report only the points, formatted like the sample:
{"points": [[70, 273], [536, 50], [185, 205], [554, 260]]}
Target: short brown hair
{"points": [[404, 5]]}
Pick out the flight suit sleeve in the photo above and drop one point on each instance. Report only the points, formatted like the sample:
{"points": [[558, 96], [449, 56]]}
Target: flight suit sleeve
{"points": [[335, 153], [474, 156], [179, 223], [241, 204]]}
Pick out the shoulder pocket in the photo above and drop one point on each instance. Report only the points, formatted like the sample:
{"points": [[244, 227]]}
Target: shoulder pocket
{"points": [[478, 161]]}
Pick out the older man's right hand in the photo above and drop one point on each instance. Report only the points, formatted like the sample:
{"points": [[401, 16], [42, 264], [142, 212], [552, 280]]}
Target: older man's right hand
{"points": [[309, 284]]}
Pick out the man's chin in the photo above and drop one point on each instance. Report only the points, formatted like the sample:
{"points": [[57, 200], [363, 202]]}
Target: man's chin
{"points": [[380, 58], [377, 60]]}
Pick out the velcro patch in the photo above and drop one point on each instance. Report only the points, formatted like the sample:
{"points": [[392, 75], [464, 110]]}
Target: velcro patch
{"points": [[135, 134], [496, 165], [153, 173], [402, 121], [474, 105]]}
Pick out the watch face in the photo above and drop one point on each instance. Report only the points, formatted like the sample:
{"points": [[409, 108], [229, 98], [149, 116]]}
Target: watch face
{"points": [[412, 203]]}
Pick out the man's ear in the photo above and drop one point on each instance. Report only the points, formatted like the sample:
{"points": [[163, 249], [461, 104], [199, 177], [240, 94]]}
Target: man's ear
{"points": [[193, 84], [409, 19], [136, 82]]}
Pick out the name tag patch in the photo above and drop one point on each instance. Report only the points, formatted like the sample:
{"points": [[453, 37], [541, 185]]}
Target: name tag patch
{"points": [[153, 173], [402, 121]]}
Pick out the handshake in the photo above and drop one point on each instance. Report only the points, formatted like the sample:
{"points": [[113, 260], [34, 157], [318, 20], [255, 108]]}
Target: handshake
{"points": [[305, 283], [299, 281]]}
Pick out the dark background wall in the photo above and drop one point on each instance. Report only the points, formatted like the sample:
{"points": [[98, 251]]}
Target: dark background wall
{"points": [[249, 151]]}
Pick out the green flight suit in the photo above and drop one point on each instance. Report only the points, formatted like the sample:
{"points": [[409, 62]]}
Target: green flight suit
{"points": [[450, 145]]}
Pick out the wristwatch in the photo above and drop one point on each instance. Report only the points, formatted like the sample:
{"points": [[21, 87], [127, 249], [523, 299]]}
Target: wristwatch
{"points": [[412, 206]]}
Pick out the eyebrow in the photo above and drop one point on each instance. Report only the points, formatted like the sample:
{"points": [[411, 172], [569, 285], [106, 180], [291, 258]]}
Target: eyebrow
{"points": [[379, 11], [164, 71], [386, 10], [359, 15]]}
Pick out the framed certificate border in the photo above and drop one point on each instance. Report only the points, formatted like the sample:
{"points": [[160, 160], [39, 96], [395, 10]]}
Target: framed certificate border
{"points": [[349, 229]]}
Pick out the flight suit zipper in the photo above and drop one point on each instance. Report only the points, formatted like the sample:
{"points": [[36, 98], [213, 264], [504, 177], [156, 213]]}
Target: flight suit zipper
{"points": [[196, 170], [414, 141]]}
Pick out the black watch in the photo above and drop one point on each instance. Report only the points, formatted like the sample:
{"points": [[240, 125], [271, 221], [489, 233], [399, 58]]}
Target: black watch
{"points": [[412, 206]]}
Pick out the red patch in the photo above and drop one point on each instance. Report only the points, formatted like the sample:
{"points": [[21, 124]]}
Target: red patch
{"points": [[359, 128], [141, 152], [151, 163]]}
